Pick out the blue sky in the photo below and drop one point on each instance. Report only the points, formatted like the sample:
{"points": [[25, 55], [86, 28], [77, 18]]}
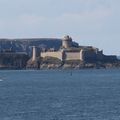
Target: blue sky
{"points": [[89, 22]]}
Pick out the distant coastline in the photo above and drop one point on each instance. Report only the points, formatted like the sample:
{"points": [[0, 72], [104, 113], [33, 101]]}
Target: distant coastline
{"points": [[16, 62], [49, 53]]}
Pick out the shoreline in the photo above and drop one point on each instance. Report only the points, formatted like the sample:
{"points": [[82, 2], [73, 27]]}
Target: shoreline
{"points": [[55, 69]]}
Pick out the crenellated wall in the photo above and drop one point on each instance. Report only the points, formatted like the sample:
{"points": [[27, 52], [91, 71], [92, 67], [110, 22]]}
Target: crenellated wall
{"points": [[82, 55]]}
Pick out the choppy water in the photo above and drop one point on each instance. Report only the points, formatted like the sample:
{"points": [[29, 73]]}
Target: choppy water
{"points": [[56, 95]]}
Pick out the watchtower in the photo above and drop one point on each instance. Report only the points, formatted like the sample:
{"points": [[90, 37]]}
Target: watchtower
{"points": [[67, 42]]}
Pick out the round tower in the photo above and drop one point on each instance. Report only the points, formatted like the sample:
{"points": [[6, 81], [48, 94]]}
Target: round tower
{"points": [[67, 42]]}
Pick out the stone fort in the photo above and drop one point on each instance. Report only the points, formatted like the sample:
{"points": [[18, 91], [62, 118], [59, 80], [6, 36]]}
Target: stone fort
{"points": [[70, 52]]}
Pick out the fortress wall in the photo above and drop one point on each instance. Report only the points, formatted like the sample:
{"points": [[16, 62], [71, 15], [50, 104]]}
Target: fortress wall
{"points": [[52, 54], [100, 56], [72, 55], [110, 58], [90, 56]]}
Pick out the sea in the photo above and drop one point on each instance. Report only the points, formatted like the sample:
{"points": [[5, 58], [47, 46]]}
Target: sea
{"points": [[89, 94]]}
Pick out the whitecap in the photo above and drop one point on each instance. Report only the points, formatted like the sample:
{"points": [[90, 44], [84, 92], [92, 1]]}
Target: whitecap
{"points": [[1, 80]]}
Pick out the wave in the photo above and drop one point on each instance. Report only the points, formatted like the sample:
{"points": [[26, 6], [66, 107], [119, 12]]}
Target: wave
{"points": [[1, 80]]}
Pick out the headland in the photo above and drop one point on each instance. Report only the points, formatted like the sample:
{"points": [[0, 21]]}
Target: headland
{"points": [[52, 53]]}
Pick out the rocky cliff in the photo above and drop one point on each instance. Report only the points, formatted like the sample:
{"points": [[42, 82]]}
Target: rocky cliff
{"points": [[54, 63], [13, 60]]}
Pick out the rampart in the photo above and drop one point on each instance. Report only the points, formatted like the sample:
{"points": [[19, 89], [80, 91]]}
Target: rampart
{"points": [[57, 54], [72, 55]]}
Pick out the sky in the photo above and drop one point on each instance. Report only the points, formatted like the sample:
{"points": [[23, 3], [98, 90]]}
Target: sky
{"points": [[88, 22]]}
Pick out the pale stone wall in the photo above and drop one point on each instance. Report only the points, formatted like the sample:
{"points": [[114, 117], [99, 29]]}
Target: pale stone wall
{"points": [[67, 55], [82, 55], [34, 54], [52, 54], [72, 55], [65, 44]]}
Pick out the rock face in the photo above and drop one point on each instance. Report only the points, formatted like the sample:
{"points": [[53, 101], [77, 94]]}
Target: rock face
{"points": [[22, 61], [13, 61], [44, 63], [33, 64], [50, 63], [54, 63]]}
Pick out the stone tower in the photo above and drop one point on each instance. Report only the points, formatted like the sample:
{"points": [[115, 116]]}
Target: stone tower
{"points": [[82, 55], [67, 42], [34, 54]]}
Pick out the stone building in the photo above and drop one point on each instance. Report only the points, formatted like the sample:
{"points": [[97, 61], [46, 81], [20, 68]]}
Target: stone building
{"points": [[69, 52]]}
